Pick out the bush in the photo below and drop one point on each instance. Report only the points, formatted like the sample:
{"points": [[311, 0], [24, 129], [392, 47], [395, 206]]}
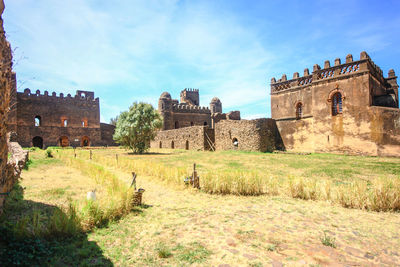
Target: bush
{"points": [[49, 153]]}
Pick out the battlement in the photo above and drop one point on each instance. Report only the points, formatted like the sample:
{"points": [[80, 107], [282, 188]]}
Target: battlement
{"points": [[182, 108], [350, 67], [190, 90], [80, 96]]}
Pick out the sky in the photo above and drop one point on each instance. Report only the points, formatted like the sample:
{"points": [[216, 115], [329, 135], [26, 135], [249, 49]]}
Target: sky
{"points": [[128, 50]]}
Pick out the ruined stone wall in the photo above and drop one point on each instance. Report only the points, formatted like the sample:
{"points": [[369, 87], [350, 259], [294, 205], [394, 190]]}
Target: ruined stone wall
{"points": [[107, 132], [10, 168], [251, 135], [192, 138], [360, 128], [81, 112]]}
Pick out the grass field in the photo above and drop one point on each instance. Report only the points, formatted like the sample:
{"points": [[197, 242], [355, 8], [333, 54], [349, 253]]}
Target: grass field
{"points": [[180, 226]]}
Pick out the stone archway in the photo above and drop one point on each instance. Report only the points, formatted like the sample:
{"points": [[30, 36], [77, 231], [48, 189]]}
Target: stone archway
{"points": [[85, 141], [37, 141], [63, 141]]}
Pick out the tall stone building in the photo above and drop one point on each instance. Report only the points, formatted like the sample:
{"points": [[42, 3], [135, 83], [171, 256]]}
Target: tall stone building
{"points": [[43, 120], [349, 107]]}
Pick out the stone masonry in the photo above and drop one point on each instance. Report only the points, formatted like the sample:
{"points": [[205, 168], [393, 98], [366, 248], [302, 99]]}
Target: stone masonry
{"points": [[251, 135], [12, 157], [346, 108], [44, 120]]}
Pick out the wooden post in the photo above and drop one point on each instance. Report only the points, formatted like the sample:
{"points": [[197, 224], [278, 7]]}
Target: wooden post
{"points": [[90, 154], [133, 180], [75, 152], [195, 178], [116, 158]]}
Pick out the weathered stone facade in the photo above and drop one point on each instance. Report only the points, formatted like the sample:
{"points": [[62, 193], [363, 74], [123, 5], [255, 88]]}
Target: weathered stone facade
{"points": [[44, 120], [10, 166], [349, 108], [193, 138], [182, 126], [251, 135], [188, 111]]}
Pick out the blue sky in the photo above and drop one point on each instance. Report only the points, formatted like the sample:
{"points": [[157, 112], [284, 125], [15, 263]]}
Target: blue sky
{"points": [[128, 50]]}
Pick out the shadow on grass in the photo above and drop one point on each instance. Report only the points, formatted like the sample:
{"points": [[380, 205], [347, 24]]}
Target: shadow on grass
{"points": [[28, 239]]}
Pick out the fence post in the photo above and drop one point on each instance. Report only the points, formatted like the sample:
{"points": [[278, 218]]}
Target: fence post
{"points": [[90, 154]]}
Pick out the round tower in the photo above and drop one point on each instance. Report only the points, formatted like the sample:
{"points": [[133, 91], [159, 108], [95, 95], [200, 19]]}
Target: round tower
{"points": [[216, 105], [165, 109]]}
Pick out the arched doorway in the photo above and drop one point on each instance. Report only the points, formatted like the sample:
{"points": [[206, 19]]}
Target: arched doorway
{"points": [[235, 143], [160, 144], [172, 144], [187, 145], [37, 141], [85, 141], [63, 141]]}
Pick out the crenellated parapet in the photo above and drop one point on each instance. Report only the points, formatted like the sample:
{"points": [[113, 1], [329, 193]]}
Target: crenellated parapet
{"points": [[81, 97], [337, 71], [184, 108]]}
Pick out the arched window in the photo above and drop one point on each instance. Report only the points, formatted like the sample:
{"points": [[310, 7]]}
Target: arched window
{"points": [[177, 125], [299, 110], [84, 123], [205, 123], [191, 123], [65, 123], [38, 121], [336, 104]]}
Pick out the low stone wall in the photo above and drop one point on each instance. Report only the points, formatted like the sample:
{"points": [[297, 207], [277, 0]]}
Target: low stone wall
{"points": [[251, 135], [192, 138]]}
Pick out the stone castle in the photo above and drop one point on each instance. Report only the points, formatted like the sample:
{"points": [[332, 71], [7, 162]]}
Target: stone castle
{"points": [[346, 108], [43, 120], [187, 125], [349, 107]]}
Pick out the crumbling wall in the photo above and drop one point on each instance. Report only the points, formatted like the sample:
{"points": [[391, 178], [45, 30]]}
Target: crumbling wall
{"points": [[250, 135], [191, 138], [10, 168]]}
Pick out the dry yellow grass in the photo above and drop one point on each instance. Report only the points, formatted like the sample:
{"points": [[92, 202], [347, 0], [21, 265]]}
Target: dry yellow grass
{"points": [[232, 229], [378, 194]]}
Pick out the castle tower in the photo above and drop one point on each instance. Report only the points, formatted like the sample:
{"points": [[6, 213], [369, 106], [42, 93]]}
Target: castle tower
{"points": [[216, 105], [190, 96], [165, 109]]}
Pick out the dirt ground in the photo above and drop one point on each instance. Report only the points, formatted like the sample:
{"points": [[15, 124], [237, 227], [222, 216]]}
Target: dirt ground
{"points": [[227, 230]]}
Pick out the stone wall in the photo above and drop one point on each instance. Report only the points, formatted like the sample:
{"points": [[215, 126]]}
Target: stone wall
{"points": [[10, 168], [81, 112], [360, 128], [107, 132], [191, 138], [250, 135]]}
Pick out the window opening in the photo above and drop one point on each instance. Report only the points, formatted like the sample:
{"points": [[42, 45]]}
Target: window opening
{"points": [[299, 110], [38, 121], [336, 104]]}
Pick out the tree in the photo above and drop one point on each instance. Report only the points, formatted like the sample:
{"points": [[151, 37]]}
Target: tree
{"points": [[113, 121], [137, 127]]}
